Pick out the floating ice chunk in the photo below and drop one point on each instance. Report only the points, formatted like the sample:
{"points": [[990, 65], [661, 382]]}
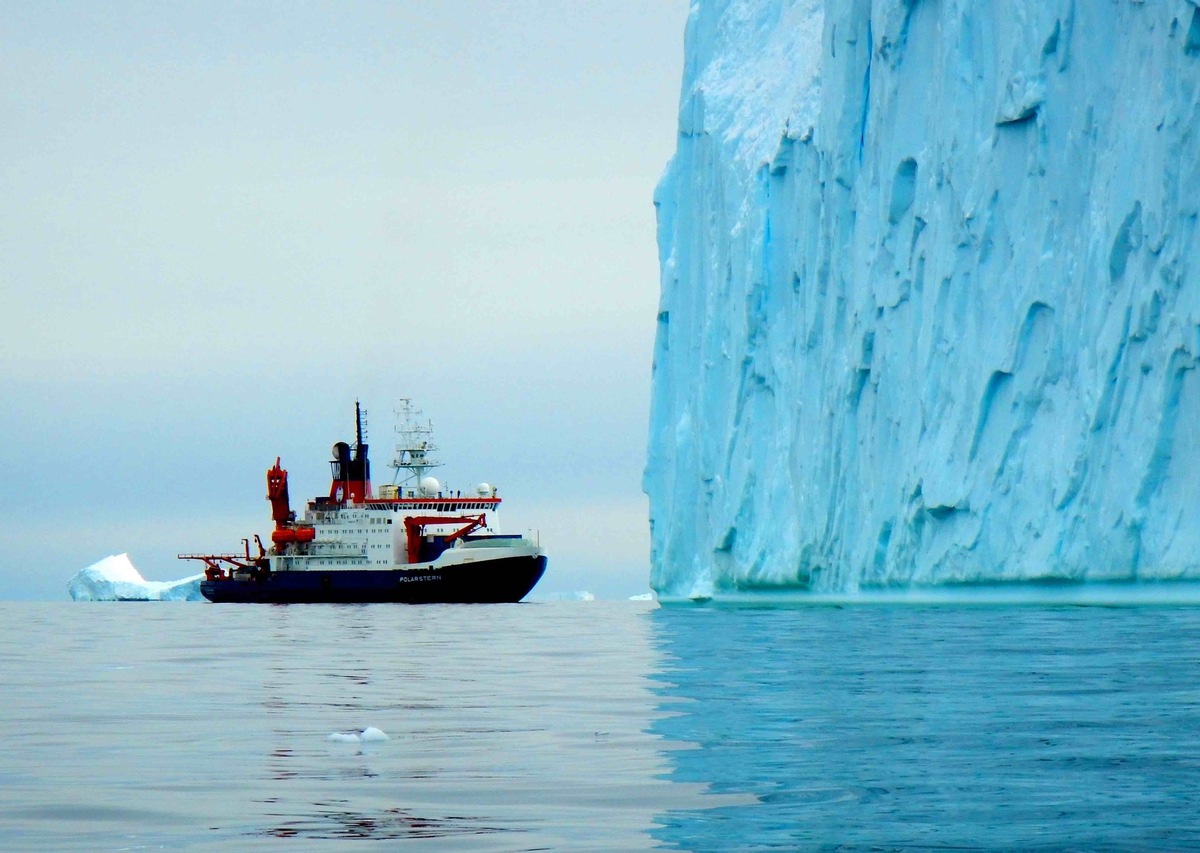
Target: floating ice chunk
{"points": [[645, 596], [578, 595], [345, 737], [368, 735], [116, 579]]}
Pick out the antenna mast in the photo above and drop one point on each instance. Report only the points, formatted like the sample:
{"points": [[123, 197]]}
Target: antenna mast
{"points": [[360, 422], [415, 445]]}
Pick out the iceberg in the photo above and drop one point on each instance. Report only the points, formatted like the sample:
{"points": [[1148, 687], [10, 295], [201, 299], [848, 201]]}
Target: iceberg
{"points": [[368, 735], [577, 595], [929, 307], [116, 579]]}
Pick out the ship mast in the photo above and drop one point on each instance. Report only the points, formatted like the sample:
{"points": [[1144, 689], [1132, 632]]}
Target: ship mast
{"points": [[414, 446]]}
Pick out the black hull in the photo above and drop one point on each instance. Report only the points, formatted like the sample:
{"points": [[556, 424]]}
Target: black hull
{"points": [[486, 582]]}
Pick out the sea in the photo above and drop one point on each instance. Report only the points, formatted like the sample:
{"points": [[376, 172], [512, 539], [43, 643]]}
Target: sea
{"points": [[832, 726]]}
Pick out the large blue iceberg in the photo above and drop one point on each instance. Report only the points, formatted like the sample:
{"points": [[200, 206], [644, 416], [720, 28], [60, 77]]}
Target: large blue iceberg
{"points": [[930, 309]]}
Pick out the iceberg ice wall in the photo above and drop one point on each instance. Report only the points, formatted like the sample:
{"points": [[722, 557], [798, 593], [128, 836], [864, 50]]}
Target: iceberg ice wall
{"points": [[930, 309]]}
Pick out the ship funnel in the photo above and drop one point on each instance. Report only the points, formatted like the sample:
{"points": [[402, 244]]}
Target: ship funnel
{"points": [[351, 470]]}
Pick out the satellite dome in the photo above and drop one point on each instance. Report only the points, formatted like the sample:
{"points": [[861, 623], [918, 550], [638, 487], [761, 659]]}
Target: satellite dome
{"points": [[430, 486], [483, 490]]}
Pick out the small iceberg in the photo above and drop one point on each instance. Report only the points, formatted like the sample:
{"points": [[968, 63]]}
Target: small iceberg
{"points": [[578, 595], [368, 735], [116, 579]]}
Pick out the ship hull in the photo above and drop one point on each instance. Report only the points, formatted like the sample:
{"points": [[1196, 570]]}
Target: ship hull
{"points": [[495, 581]]}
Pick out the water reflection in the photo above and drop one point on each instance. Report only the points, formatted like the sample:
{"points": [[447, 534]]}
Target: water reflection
{"points": [[511, 727], [603, 726], [335, 821], [910, 728]]}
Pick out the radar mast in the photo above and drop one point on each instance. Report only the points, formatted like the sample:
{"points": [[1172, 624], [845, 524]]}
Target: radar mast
{"points": [[414, 446]]}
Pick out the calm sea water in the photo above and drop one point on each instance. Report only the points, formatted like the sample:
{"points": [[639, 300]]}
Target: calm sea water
{"points": [[599, 726]]}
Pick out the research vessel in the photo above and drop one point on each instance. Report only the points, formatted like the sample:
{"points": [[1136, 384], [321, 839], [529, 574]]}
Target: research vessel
{"points": [[412, 542]]}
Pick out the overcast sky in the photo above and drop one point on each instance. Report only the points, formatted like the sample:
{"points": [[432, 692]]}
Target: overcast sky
{"points": [[221, 223]]}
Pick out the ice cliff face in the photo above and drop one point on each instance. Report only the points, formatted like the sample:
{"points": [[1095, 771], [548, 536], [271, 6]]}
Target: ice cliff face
{"points": [[930, 308]]}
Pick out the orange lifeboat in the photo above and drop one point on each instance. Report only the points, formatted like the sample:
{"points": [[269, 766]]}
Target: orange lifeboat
{"points": [[305, 534], [283, 535]]}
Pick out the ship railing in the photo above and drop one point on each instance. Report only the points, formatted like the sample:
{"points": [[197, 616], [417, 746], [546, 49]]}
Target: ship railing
{"points": [[324, 560], [499, 540], [345, 551], [410, 501]]}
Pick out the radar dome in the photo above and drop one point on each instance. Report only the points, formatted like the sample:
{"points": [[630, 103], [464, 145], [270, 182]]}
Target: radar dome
{"points": [[483, 490], [430, 486]]}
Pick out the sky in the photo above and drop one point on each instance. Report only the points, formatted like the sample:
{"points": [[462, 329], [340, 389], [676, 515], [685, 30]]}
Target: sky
{"points": [[222, 223]]}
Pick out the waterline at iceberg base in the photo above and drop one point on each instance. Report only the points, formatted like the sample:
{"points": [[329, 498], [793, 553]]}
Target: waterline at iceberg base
{"points": [[930, 310]]}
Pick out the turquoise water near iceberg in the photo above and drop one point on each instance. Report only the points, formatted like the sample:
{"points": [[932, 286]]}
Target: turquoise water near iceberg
{"points": [[600, 726], [956, 727]]}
